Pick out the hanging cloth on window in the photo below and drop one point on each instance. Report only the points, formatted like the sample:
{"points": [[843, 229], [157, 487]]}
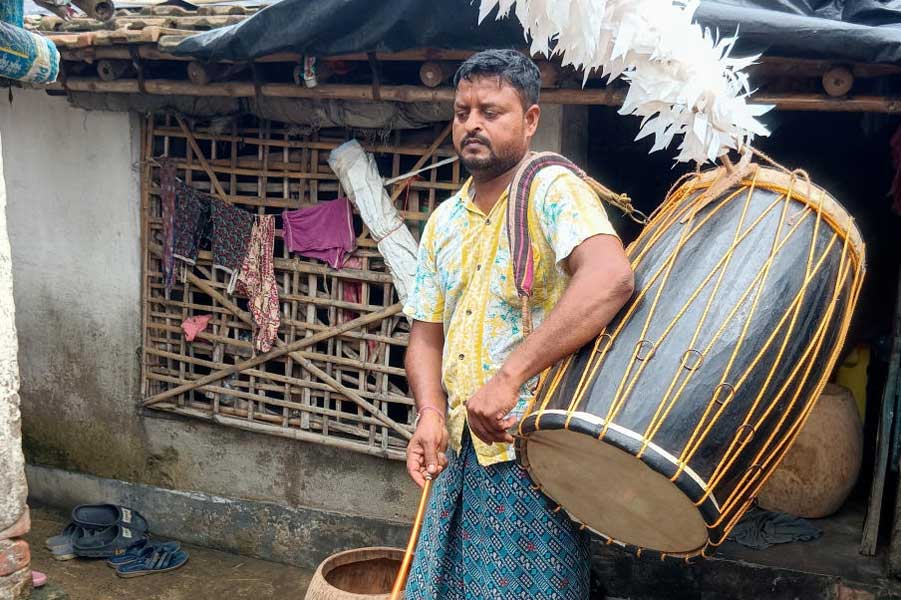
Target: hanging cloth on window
{"points": [[231, 236], [324, 231], [256, 280]]}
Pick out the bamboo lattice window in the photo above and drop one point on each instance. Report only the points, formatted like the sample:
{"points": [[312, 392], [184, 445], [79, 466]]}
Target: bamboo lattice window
{"points": [[348, 388]]}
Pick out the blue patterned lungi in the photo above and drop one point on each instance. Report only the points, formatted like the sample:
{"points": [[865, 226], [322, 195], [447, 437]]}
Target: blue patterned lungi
{"points": [[487, 534]]}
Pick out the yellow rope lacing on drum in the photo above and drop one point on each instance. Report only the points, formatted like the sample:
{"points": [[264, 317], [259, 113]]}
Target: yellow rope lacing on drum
{"points": [[619, 400], [758, 469], [797, 305], [589, 373], [654, 425], [671, 210], [731, 456], [689, 449], [655, 234], [760, 472], [795, 430]]}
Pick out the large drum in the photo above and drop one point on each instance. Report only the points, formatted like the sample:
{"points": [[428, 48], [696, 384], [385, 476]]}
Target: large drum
{"points": [[658, 435]]}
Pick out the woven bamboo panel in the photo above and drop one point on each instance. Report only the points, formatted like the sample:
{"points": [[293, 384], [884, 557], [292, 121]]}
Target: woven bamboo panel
{"points": [[346, 390]]}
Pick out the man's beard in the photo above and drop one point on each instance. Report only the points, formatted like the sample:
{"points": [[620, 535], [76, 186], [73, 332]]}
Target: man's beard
{"points": [[494, 165]]}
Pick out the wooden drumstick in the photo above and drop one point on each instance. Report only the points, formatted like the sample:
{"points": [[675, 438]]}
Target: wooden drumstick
{"points": [[401, 581]]}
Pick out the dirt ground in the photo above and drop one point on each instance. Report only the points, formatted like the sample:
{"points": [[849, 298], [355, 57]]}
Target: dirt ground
{"points": [[208, 573]]}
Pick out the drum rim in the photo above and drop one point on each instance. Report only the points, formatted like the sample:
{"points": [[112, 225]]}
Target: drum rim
{"points": [[775, 179], [629, 441]]}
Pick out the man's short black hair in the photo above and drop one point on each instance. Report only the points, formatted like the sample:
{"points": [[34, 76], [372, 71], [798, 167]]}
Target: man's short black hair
{"points": [[510, 66]]}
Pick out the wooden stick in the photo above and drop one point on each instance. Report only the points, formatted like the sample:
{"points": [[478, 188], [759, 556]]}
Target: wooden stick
{"points": [[287, 349], [200, 73], [399, 188], [274, 353], [363, 93], [286, 432], [870, 535], [147, 131], [401, 581], [102, 10], [433, 73], [110, 70], [200, 157], [405, 94], [838, 81]]}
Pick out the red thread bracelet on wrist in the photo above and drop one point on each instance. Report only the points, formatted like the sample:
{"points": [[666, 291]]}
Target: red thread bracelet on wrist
{"points": [[425, 408]]}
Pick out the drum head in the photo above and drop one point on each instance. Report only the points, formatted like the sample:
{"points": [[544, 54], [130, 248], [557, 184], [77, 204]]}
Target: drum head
{"points": [[613, 493]]}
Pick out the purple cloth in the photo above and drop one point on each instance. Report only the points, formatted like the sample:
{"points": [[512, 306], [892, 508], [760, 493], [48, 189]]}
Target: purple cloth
{"points": [[324, 231]]}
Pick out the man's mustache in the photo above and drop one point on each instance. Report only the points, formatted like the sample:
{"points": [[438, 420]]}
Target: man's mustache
{"points": [[476, 137]]}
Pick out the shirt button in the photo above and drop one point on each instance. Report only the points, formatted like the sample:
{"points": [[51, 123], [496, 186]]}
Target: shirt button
{"points": [[468, 312], [462, 356], [478, 267], [487, 221]]}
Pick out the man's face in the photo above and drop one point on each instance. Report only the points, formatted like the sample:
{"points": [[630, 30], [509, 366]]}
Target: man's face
{"points": [[492, 130]]}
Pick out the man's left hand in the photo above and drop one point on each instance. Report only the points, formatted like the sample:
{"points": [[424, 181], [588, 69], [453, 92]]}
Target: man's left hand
{"points": [[487, 410]]}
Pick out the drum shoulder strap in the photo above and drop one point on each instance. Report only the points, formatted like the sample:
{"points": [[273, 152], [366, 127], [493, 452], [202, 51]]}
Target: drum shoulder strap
{"points": [[518, 215], [518, 236]]}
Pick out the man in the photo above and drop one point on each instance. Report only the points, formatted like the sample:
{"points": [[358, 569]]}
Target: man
{"points": [[487, 533]]}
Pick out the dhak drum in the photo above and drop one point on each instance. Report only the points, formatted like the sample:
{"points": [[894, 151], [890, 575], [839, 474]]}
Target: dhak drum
{"points": [[658, 435]]}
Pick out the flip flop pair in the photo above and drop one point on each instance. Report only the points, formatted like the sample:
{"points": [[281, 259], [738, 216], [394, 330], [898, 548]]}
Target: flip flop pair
{"points": [[154, 559]]}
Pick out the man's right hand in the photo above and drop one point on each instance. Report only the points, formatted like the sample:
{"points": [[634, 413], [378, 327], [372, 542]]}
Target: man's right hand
{"points": [[426, 450]]}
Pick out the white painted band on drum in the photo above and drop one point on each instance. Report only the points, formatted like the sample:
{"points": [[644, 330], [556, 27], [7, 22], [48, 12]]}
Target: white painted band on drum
{"points": [[594, 419]]}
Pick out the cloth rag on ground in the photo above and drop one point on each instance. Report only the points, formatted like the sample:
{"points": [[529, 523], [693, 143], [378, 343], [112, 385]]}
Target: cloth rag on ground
{"points": [[257, 281], [760, 529], [324, 231], [489, 534]]}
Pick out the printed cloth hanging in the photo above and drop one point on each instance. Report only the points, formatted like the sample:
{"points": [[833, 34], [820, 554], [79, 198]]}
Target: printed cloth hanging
{"points": [[191, 223], [256, 280], [168, 182], [199, 217], [231, 236], [324, 231]]}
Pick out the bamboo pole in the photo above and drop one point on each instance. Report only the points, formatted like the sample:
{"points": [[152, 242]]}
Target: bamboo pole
{"points": [[399, 188], [274, 353], [410, 94], [887, 417], [200, 157], [434, 73], [283, 349], [102, 10], [286, 432]]}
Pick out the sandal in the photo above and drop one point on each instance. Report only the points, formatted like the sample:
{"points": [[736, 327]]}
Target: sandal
{"points": [[159, 561], [141, 550], [101, 516], [62, 539], [112, 541], [62, 547]]}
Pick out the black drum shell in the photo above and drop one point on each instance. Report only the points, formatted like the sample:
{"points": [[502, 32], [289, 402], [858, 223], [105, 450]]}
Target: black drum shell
{"points": [[742, 304]]}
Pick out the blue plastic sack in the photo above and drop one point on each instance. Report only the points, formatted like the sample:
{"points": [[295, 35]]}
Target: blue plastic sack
{"points": [[27, 56]]}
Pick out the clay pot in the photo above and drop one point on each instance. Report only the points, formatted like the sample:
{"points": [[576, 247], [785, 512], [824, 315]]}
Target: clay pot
{"points": [[820, 469], [359, 574]]}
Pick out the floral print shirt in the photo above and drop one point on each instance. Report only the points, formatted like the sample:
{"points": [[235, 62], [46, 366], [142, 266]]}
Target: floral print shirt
{"points": [[464, 279]]}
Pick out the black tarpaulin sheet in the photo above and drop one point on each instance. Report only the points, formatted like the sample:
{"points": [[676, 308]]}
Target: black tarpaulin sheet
{"points": [[849, 30]]}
